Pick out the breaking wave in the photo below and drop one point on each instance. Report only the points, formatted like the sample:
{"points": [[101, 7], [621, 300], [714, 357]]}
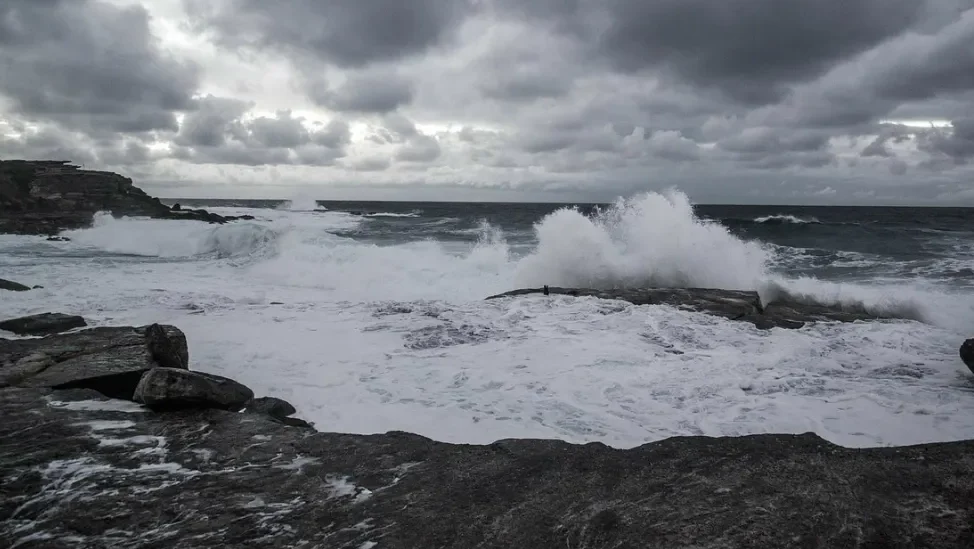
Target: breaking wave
{"points": [[650, 240], [176, 238]]}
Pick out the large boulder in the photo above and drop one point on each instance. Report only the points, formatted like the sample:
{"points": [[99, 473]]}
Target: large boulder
{"points": [[176, 389], [109, 360], [43, 324], [967, 353], [12, 286], [82, 471]]}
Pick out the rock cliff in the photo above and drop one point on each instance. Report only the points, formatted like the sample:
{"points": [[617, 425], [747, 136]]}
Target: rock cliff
{"points": [[48, 196]]}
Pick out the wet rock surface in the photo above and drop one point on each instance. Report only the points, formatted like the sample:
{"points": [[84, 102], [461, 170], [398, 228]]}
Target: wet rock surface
{"points": [[967, 353], [46, 197], [43, 324], [111, 360], [80, 470], [731, 304], [12, 286], [177, 389]]}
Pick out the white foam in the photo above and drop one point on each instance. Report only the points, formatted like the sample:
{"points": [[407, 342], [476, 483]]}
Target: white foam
{"points": [[99, 406], [300, 204]]}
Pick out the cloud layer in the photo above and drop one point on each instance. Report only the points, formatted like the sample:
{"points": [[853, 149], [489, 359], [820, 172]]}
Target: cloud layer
{"points": [[807, 101]]}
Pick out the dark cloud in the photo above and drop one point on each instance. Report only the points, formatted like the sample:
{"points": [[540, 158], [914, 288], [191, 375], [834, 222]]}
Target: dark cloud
{"points": [[956, 142], [749, 48], [420, 148], [218, 132], [345, 33], [91, 65], [370, 92]]}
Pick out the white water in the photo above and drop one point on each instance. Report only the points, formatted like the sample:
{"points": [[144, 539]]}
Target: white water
{"points": [[364, 338]]}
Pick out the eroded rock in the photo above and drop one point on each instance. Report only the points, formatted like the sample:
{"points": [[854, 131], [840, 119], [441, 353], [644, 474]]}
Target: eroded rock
{"points": [[177, 389], [79, 470], [109, 360], [43, 324]]}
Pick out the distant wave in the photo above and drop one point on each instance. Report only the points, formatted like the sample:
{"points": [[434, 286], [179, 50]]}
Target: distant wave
{"points": [[781, 219], [389, 214]]}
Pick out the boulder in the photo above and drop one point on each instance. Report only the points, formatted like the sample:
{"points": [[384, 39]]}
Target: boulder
{"points": [[43, 324], [12, 286], [742, 305], [274, 407], [277, 409], [109, 360], [79, 470], [967, 353], [176, 389]]}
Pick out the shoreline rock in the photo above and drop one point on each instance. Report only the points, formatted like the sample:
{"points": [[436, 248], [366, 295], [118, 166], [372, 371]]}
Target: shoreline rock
{"points": [[743, 305], [967, 353], [43, 324], [219, 470], [45, 197]]}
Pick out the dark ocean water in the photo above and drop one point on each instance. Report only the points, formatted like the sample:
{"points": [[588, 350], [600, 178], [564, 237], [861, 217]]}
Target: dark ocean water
{"points": [[827, 242]]}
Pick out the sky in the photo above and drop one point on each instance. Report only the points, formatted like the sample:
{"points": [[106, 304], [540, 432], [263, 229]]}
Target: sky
{"points": [[730, 101]]}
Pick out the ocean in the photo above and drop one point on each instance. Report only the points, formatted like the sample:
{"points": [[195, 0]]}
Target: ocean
{"points": [[370, 317]]}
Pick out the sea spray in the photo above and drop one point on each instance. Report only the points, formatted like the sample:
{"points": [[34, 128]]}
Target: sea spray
{"points": [[651, 240]]}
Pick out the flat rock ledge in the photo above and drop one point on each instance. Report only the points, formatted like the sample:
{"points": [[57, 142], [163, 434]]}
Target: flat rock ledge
{"points": [[743, 305], [216, 468]]}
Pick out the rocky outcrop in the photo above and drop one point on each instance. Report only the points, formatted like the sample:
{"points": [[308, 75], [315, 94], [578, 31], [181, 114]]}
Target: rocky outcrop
{"points": [[43, 324], [12, 286], [732, 304], [110, 360], [176, 389], [80, 470], [45, 197], [967, 353]]}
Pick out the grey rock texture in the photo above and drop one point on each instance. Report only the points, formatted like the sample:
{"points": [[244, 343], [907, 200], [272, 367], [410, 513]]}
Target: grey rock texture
{"points": [[732, 304], [43, 324], [79, 470], [12, 286], [176, 389], [111, 360], [45, 197]]}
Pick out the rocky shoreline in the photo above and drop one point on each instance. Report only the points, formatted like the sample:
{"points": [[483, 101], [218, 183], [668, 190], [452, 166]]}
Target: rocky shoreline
{"points": [[109, 439], [46, 197]]}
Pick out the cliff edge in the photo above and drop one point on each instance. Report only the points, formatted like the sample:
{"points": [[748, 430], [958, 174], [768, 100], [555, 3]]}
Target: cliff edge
{"points": [[49, 196]]}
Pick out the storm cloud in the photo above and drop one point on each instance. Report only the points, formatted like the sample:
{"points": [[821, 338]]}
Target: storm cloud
{"points": [[849, 100]]}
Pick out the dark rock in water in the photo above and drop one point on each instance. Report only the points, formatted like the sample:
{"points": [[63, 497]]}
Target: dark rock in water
{"points": [[967, 353], [732, 304], [82, 471], [176, 389], [109, 360], [43, 324], [13, 286], [58, 239], [176, 207]]}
